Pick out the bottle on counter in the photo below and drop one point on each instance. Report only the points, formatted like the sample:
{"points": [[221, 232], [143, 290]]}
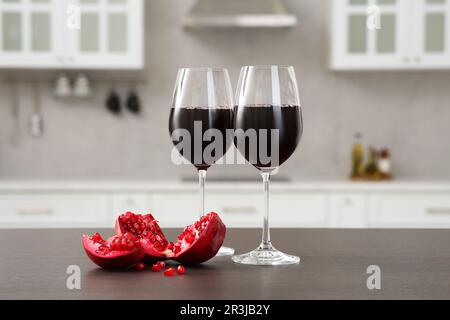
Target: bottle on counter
{"points": [[372, 171], [384, 164], [357, 158]]}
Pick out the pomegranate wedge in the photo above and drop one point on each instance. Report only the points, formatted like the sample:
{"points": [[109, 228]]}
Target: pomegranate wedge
{"points": [[196, 244], [201, 241], [120, 251]]}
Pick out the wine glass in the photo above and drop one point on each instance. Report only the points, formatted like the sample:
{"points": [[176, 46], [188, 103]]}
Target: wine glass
{"points": [[268, 127], [201, 117]]}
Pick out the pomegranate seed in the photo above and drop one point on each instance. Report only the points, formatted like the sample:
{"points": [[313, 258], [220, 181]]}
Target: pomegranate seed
{"points": [[97, 237], [181, 270], [156, 267], [140, 266], [161, 264], [169, 272]]}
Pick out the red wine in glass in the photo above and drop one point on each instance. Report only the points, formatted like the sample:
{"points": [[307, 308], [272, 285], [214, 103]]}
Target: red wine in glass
{"points": [[187, 118], [286, 119]]}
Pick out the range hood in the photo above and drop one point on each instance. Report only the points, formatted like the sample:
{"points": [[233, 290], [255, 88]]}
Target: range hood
{"points": [[239, 14]]}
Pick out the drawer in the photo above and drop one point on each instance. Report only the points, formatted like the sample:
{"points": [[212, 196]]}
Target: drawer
{"points": [[348, 210], [134, 202], [410, 210], [243, 209], [237, 210], [53, 210], [298, 210], [175, 210]]}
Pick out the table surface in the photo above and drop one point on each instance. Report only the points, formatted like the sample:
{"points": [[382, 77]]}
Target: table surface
{"points": [[414, 264]]}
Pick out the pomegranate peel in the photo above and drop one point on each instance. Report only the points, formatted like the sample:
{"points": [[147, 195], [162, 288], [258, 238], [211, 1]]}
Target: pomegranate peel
{"points": [[117, 252]]}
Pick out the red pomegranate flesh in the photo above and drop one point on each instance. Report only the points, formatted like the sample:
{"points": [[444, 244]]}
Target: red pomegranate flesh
{"points": [[118, 252], [196, 244], [147, 230]]}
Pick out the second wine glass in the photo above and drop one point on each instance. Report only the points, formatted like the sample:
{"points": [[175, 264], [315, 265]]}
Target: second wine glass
{"points": [[269, 125], [201, 113]]}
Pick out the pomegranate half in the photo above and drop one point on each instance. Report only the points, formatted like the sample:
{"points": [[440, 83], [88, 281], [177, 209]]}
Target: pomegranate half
{"points": [[118, 252], [196, 244]]}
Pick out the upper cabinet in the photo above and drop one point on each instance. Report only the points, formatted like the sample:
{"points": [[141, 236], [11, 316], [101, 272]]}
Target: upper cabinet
{"points": [[71, 34], [390, 34]]}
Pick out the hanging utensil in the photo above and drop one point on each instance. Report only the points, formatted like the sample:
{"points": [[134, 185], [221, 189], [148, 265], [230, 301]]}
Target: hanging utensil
{"points": [[133, 102], [36, 119], [113, 102], [15, 131]]}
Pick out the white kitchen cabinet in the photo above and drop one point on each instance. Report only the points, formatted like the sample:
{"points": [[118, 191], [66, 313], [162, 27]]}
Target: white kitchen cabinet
{"points": [[348, 210], [175, 210], [410, 210], [413, 34], [134, 202], [37, 34], [297, 210], [53, 209], [245, 209], [111, 35], [294, 205], [28, 33], [236, 209], [432, 32]]}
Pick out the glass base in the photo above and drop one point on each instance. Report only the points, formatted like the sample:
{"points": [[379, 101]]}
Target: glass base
{"points": [[225, 251], [266, 255]]}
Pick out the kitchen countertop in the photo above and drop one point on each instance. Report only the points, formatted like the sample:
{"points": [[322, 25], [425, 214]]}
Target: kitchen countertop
{"points": [[415, 264], [164, 186]]}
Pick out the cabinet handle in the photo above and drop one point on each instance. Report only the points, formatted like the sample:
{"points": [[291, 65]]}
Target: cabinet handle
{"points": [[438, 210], [417, 59], [348, 202], [231, 210], [35, 211], [406, 59]]}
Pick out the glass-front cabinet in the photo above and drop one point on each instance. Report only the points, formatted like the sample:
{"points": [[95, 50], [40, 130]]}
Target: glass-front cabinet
{"points": [[28, 34], [390, 34], [89, 34], [433, 33]]}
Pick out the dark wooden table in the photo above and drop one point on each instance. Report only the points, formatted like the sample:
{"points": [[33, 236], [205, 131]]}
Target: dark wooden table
{"points": [[415, 264]]}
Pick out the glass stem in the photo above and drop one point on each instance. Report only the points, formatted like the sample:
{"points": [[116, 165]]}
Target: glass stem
{"points": [[266, 231], [201, 182]]}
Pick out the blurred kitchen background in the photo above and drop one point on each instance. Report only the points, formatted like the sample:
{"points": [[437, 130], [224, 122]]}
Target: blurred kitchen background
{"points": [[67, 158]]}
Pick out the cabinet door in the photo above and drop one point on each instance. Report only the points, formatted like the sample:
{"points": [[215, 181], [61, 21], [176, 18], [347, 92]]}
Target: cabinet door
{"points": [[110, 35], [51, 210], [28, 36], [410, 210], [348, 210], [432, 29], [134, 202], [355, 46]]}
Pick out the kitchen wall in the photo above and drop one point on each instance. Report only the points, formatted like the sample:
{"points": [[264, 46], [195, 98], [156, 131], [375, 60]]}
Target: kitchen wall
{"points": [[408, 112]]}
